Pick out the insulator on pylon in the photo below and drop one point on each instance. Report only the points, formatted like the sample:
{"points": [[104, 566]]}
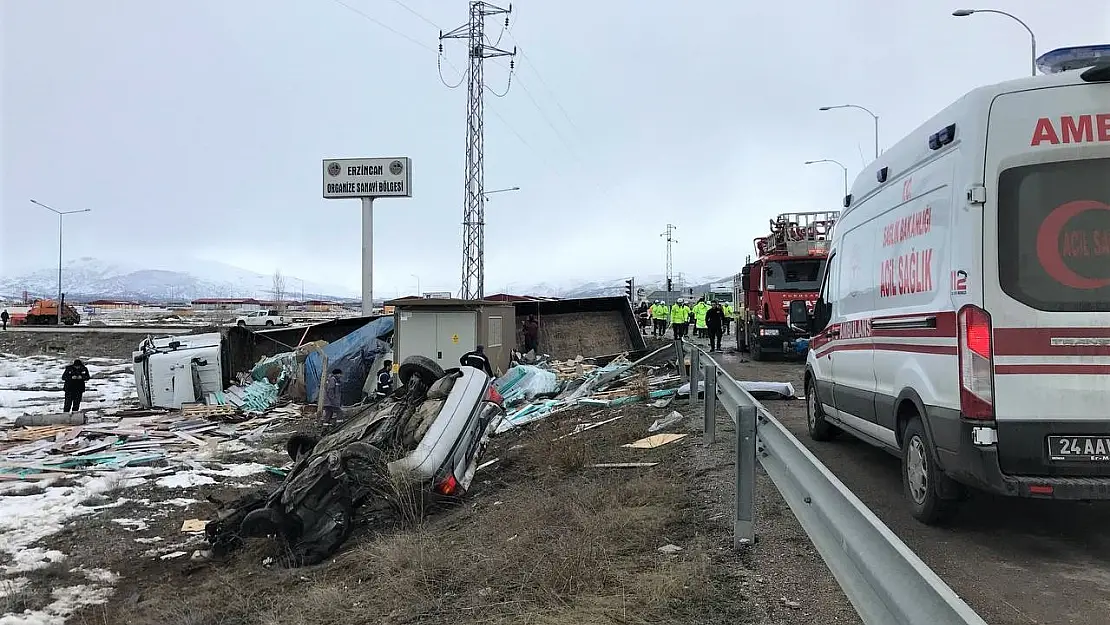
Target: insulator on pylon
{"points": [[441, 47]]}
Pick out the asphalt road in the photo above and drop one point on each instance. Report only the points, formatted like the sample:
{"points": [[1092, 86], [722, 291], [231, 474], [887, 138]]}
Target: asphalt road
{"points": [[1014, 561]]}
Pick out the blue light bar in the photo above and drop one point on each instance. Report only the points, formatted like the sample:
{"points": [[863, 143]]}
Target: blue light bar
{"points": [[1075, 57]]}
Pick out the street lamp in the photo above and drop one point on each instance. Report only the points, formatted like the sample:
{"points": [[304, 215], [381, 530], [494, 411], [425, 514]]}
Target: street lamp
{"points": [[500, 191], [417, 283], [829, 160], [60, 214], [1032, 37], [862, 108]]}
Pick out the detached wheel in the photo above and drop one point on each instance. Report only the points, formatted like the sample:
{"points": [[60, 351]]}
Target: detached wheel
{"points": [[421, 367], [819, 428], [920, 476], [261, 522]]}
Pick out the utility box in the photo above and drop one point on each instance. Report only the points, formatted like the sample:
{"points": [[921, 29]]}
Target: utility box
{"points": [[445, 329]]}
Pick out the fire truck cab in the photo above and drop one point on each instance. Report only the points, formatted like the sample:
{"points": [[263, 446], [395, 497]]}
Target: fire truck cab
{"points": [[788, 266]]}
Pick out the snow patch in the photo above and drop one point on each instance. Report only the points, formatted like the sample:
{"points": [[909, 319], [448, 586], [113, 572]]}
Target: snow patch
{"points": [[31, 385], [184, 479]]}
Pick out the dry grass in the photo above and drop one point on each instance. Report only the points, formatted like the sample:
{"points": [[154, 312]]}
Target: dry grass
{"points": [[551, 543]]}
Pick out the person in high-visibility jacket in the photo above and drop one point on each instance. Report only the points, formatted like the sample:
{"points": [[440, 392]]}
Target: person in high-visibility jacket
{"points": [[699, 318], [728, 317], [659, 314], [680, 318]]}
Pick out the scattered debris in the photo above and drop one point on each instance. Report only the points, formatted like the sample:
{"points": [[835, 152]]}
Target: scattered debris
{"points": [[191, 526], [534, 392], [623, 465], [661, 424], [656, 440], [670, 549]]}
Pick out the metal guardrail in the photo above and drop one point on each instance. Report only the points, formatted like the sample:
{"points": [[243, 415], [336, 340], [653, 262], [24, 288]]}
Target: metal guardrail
{"points": [[884, 579]]}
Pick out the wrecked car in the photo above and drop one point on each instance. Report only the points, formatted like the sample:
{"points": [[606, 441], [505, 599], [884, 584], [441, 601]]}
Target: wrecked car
{"points": [[424, 440]]}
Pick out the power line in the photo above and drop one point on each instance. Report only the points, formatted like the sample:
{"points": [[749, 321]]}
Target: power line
{"points": [[550, 91], [411, 10], [547, 119], [386, 26]]}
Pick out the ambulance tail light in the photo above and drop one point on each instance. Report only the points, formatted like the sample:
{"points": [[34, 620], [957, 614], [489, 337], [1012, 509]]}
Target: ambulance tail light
{"points": [[976, 359]]}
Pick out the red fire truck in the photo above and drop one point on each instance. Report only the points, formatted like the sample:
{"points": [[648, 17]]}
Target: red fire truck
{"points": [[788, 266]]}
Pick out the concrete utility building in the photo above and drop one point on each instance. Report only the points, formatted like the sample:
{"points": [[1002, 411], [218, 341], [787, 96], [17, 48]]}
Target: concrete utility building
{"points": [[445, 329]]}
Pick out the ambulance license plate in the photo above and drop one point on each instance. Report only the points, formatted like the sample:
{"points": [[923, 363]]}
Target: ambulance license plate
{"points": [[1079, 448]]}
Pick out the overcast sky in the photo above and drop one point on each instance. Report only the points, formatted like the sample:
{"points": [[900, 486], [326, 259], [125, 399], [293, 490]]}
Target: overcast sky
{"points": [[196, 129]]}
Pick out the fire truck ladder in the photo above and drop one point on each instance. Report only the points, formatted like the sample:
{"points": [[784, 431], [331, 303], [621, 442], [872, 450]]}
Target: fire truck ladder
{"points": [[798, 234]]}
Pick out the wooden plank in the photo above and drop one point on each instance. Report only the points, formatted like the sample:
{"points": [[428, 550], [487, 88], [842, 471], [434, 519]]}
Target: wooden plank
{"points": [[622, 465], [191, 439]]}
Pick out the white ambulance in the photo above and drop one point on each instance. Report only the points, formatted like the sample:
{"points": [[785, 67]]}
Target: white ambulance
{"points": [[964, 316]]}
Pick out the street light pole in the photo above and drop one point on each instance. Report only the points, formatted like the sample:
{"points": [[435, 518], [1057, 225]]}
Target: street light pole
{"points": [[829, 160], [862, 108], [1032, 36], [500, 191], [417, 283], [60, 214]]}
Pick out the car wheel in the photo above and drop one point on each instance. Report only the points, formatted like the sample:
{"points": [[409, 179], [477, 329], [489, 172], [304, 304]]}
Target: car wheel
{"points": [[261, 522], [819, 428], [755, 350], [270, 323], [920, 476], [300, 445], [424, 368]]}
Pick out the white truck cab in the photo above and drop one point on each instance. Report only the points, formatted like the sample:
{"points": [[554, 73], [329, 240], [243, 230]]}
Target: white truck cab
{"points": [[963, 321]]}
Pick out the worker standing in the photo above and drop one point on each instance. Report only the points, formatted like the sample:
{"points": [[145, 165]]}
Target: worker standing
{"points": [[4, 316], [699, 318], [385, 380], [727, 308], [680, 318], [659, 318], [643, 317], [73, 384], [715, 325], [531, 328], [333, 395]]}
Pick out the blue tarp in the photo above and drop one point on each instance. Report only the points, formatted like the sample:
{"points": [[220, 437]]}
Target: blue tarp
{"points": [[354, 354]]}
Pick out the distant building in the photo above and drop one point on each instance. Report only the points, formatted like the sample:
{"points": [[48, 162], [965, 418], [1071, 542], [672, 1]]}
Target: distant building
{"points": [[110, 304], [227, 303]]}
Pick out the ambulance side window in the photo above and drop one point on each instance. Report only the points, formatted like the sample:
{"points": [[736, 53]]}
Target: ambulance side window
{"points": [[822, 310]]}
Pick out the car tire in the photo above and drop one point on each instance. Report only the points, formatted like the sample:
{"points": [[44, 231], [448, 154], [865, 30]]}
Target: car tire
{"points": [[426, 369], [819, 428], [270, 323], [755, 351], [921, 478], [299, 445], [261, 522]]}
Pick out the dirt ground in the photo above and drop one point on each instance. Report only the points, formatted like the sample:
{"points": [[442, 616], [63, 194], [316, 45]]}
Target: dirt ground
{"points": [[70, 344], [541, 538]]}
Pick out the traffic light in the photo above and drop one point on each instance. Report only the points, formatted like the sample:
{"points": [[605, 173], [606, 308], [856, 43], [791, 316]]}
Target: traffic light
{"points": [[630, 289], [669, 289]]}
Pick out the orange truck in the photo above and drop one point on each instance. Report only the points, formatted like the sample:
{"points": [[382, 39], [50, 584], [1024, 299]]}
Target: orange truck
{"points": [[44, 312]]}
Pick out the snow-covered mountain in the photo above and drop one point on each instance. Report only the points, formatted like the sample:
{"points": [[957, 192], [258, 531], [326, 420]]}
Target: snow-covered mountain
{"points": [[616, 286], [90, 278]]}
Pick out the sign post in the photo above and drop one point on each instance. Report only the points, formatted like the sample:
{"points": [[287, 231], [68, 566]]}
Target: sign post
{"points": [[366, 179]]}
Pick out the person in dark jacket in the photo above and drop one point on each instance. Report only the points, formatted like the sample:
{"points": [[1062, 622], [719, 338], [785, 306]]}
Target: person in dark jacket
{"points": [[73, 383], [4, 316], [333, 395], [477, 359], [532, 335], [715, 326], [385, 380]]}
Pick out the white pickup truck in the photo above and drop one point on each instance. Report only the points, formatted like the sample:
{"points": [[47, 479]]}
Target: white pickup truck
{"points": [[261, 318]]}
